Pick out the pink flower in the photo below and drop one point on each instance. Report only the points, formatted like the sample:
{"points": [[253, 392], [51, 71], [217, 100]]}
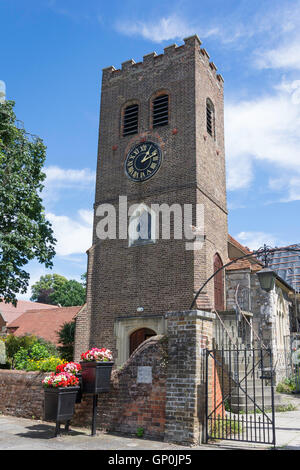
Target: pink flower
{"points": [[97, 354]]}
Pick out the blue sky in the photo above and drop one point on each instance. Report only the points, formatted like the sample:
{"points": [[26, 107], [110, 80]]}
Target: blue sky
{"points": [[52, 54]]}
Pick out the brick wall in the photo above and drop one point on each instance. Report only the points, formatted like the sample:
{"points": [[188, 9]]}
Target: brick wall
{"points": [[189, 334], [21, 393], [131, 405], [128, 406]]}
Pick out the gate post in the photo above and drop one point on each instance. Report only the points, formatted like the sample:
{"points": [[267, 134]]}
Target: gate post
{"points": [[189, 334]]}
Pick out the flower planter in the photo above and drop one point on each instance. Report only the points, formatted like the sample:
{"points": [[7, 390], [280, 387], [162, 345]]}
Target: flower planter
{"points": [[96, 376], [59, 403], [79, 394]]}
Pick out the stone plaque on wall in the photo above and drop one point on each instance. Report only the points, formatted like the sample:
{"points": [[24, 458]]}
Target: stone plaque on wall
{"points": [[144, 375]]}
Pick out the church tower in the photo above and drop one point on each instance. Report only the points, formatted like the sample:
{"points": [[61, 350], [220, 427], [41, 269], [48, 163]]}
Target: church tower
{"points": [[161, 142]]}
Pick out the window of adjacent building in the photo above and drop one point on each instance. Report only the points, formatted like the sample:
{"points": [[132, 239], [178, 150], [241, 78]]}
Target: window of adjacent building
{"points": [[210, 118], [160, 111], [131, 120]]}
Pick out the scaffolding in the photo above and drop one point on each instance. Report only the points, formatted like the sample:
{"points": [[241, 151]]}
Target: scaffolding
{"points": [[287, 266]]}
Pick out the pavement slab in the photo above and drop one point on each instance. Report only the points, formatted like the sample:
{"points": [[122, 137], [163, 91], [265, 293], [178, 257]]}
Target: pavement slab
{"points": [[27, 434]]}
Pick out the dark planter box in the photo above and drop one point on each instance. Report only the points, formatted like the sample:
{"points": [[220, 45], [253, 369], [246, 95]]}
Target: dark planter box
{"points": [[96, 376], [79, 394], [59, 403]]}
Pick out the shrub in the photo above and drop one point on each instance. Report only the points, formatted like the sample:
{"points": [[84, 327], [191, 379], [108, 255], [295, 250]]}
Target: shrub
{"points": [[44, 365], [36, 357], [20, 350], [14, 343], [66, 339], [289, 385]]}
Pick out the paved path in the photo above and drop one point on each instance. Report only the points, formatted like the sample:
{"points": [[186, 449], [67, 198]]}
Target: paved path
{"points": [[25, 434]]}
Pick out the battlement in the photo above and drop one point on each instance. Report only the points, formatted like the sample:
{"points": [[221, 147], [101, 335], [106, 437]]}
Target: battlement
{"points": [[190, 43]]}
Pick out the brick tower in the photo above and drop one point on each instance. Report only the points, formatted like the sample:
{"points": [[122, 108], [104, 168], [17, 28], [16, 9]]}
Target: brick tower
{"points": [[161, 141]]}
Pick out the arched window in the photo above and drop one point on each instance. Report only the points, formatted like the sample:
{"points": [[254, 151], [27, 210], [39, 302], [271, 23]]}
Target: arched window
{"points": [[138, 337], [218, 284], [130, 120], [210, 118], [160, 110], [141, 229]]}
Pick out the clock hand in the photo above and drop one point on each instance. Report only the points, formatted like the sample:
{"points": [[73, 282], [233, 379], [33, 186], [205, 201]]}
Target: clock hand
{"points": [[149, 156], [146, 156]]}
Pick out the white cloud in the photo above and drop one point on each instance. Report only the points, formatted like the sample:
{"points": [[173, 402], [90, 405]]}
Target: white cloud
{"points": [[61, 179], [265, 129], [283, 57], [73, 236], [283, 49], [255, 240], [57, 176], [166, 28], [289, 185], [234, 29]]}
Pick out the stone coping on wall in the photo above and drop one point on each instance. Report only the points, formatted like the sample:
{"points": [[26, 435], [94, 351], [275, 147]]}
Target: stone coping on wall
{"points": [[200, 314]]}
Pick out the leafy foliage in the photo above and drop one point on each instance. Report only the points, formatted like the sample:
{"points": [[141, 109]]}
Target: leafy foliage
{"points": [[47, 285], [22, 351], [66, 337], [289, 385], [25, 234], [55, 289], [69, 294], [35, 352], [14, 343], [47, 364]]}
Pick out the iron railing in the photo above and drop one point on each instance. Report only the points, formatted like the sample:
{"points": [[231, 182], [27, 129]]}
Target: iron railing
{"points": [[240, 405]]}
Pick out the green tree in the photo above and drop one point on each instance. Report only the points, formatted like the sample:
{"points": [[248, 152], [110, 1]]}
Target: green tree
{"points": [[66, 337], [69, 294], [21, 348], [25, 234], [47, 285], [55, 289], [14, 343]]}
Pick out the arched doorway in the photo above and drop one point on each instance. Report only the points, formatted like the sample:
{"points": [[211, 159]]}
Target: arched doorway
{"points": [[138, 337], [218, 283]]}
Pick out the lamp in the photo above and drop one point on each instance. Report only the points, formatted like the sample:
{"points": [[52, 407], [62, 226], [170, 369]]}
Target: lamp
{"points": [[266, 279]]}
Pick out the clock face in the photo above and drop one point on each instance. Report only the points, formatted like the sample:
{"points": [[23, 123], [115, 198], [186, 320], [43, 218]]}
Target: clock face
{"points": [[143, 161]]}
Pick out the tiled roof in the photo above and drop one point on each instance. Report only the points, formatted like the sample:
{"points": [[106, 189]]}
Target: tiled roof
{"points": [[243, 248], [248, 263], [9, 312], [43, 323], [244, 264]]}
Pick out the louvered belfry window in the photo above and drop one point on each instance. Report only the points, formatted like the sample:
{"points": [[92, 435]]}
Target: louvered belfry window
{"points": [[131, 120], [210, 118], [161, 111]]}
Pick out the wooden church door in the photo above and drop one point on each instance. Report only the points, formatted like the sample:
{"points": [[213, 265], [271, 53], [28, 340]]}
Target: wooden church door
{"points": [[138, 337]]}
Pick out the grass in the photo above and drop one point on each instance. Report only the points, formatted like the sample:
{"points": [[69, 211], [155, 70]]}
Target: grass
{"points": [[221, 428]]}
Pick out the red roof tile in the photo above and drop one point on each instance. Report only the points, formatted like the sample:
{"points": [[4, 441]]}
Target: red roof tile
{"points": [[249, 263], [9, 312], [43, 323], [244, 264], [243, 248]]}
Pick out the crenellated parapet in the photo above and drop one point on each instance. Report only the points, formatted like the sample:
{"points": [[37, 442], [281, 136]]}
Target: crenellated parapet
{"points": [[173, 51]]}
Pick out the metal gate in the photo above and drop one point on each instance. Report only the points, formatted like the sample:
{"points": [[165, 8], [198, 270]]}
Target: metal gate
{"points": [[240, 395]]}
